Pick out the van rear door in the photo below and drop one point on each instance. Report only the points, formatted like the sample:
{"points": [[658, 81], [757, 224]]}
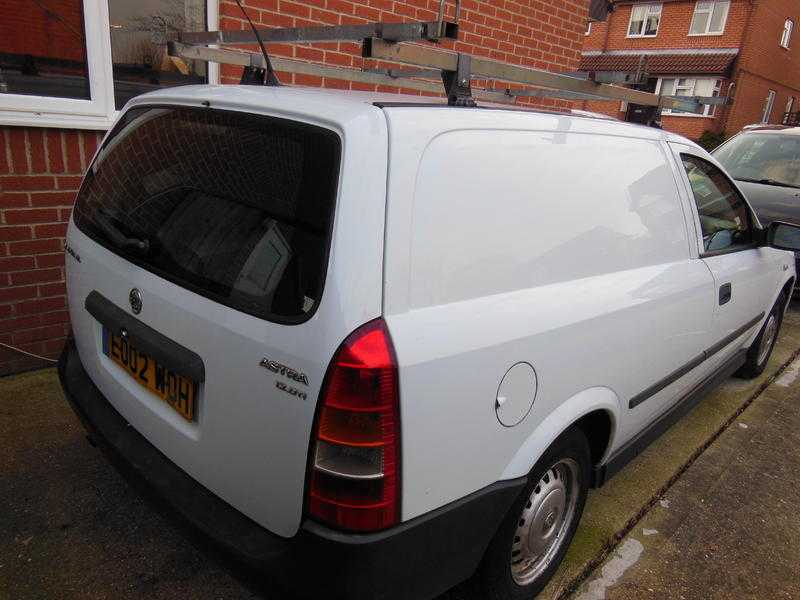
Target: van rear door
{"points": [[224, 256]]}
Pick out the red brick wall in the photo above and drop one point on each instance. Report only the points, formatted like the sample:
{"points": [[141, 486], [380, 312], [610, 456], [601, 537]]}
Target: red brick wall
{"points": [[40, 169], [673, 30], [764, 65], [546, 35], [691, 127], [753, 27], [751, 96], [40, 172]]}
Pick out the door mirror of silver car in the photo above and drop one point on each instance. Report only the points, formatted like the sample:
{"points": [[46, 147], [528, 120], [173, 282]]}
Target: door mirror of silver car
{"points": [[784, 236]]}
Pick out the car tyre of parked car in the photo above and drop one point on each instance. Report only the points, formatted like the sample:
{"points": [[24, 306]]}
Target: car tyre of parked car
{"points": [[535, 534], [761, 349]]}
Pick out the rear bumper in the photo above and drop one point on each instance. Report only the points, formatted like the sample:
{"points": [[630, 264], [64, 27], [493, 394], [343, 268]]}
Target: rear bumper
{"points": [[418, 559]]}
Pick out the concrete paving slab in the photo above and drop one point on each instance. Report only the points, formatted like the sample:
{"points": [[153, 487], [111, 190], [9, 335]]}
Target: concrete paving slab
{"points": [[70, 527], [610, 509], [730, 527]]}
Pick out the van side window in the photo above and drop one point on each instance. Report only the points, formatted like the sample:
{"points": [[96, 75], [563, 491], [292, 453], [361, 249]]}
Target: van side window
{"points": [[724, 216]]}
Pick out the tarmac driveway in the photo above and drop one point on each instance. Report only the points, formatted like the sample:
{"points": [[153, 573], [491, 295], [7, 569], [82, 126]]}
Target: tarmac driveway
{"points": [[70, 527]]}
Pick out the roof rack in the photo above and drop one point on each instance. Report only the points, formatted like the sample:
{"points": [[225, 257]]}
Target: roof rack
{"points": [[455, 70]]}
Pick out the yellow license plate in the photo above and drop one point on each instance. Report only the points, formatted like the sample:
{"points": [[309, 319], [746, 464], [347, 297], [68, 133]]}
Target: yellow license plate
{"points": [[176, 390]]}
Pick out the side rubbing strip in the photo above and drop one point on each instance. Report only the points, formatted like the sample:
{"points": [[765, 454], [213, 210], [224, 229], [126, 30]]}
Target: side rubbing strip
{"points": [[170, 354], [695, 362]]}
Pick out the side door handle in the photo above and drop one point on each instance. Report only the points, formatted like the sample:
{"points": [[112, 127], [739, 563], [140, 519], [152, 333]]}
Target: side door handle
{"points": [[725, 293]]}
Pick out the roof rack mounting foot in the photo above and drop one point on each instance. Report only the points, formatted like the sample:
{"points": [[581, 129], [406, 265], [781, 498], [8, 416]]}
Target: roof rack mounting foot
{"points": [[258, 76], [457, 83]]}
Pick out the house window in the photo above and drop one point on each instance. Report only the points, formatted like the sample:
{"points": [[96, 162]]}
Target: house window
{"points": [[58, 70], [44, 51], [139, 33], [786, 36], [644, 20], [690, 86], [787, 114], [768, 104], [709, 18]]}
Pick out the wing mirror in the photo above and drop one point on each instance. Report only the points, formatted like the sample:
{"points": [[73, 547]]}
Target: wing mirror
{"points": [[784, 236]]}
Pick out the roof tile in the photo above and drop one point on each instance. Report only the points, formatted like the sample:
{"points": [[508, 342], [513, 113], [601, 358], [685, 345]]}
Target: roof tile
{"points": [[672, 64]]}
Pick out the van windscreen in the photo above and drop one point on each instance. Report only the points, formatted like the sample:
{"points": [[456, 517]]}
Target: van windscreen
{"points": [[233, 206]]}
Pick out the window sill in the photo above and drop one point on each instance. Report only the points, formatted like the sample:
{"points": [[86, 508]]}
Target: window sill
{"points": [[693, 116], [639, 37], [60, 121], [709, 34]]}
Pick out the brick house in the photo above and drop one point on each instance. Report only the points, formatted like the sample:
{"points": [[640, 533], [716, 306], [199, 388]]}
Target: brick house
{"points": [[745, 49], [68, 66]]}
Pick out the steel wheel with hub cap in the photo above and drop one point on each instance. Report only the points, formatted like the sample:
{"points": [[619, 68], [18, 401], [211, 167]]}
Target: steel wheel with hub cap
{"points": [[536, 533], [761, 349], [545, 519]]}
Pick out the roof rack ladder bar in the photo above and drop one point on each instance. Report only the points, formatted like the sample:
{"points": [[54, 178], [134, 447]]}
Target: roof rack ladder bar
{"points": [[431, 31], [256, 61], [424, 56]]}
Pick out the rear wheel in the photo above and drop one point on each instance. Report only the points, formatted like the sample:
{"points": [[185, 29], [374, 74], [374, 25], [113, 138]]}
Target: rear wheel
{"points": [[538, 529], [759, 352]]}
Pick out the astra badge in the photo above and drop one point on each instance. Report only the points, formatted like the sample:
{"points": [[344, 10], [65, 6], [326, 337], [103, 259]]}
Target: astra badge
{"points": [[280, 369], [135, 298]]}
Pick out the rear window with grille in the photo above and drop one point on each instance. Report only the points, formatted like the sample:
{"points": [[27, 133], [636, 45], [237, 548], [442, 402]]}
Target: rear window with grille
{"points": [[233, 206]]}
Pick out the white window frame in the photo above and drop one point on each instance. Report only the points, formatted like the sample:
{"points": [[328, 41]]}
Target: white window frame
{"points": [[707, 7], [709, 110], [786, 35], [98, 112], [651, 9], [769, 104]]}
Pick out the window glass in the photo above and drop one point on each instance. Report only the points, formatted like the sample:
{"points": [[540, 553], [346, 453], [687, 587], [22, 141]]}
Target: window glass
{"points": [[43, 49], [667, 87], [718, 17], [724, 216], [709, 17], [175, 191], [761, 157], [637, 20], [139, 31], [652, 25], [768, 104], [786, 36], [644, 20], [691, 87], [701, 17]]}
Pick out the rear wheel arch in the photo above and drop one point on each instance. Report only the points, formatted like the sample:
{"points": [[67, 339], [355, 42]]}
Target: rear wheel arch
{"points": [[594, 412], [597, 427]]}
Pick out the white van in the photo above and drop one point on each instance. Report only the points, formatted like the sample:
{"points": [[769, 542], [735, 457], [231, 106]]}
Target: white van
{"points": [[376, 345]]}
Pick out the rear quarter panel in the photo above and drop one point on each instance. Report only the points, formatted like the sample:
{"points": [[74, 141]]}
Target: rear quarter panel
{"points": [[539, 238]]}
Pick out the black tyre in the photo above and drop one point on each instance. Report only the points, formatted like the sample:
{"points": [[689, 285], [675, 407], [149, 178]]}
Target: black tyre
{"points": [[759, 352], [535, 535]]}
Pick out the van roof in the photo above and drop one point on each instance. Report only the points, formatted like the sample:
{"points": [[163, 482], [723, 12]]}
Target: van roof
{"points": [[346, 104]]}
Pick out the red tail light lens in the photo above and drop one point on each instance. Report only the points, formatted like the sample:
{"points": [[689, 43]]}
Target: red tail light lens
{"points": [[355, 467]]}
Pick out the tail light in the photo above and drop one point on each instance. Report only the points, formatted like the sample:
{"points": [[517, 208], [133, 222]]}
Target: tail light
{"points": [[355, 471]]}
